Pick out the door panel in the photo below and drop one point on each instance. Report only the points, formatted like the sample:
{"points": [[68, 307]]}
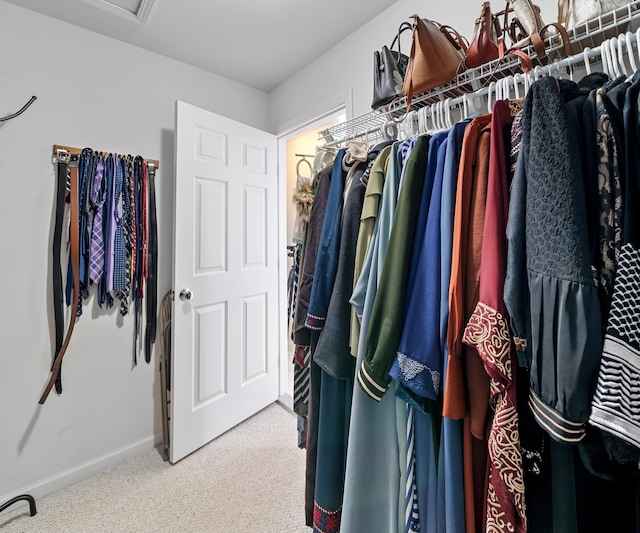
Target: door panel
{"points": [[225, 337]]}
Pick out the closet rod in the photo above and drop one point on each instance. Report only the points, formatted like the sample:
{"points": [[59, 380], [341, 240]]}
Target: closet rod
{"points": [[540, 70], [77, 151]]}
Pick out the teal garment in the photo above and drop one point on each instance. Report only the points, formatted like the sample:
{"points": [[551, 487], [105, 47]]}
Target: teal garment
{"points": [[388, 309], [372, 478], [333, 428]]}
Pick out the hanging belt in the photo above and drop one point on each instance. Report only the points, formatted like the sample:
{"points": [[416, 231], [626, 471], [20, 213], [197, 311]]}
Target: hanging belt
{"points": [[74, 237], [152, 282], [58, 295]]}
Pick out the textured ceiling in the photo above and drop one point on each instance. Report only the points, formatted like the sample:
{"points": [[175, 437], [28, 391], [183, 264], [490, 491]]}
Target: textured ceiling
{"points": [[260, 43]]}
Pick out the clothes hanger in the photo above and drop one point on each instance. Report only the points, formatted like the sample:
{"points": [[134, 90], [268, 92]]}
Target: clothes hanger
{"points": [[607, 61], [434, 118], [638, 43], [606, 68], [628, 43], [465, 106], [448, 113], [630, 56], [389, 131], [537, 72], [517, 78], [304, 160], [621, 41], [423, 125], [585, 56], [612, 51], [441, 116], [492, 87], [410, 123]]}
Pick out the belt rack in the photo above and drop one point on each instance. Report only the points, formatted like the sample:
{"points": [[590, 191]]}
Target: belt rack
{"points": [[585, 40], [61, 152]]}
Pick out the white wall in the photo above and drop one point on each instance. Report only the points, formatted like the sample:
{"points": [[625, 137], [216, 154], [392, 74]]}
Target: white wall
{"points": [[92, 91], [349, 64]]}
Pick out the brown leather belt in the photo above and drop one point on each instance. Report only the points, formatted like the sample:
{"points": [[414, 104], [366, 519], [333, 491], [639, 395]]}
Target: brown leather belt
{"points": [[74, 237]]}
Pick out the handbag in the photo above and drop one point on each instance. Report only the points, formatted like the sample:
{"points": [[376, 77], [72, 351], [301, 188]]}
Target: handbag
{"points": [[574, 12], [437, 55], [389, 67], [486, 43], [527, 28], [526, 22]]}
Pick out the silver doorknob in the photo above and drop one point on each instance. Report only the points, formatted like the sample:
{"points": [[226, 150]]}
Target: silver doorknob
{"points": [[185, 294]]}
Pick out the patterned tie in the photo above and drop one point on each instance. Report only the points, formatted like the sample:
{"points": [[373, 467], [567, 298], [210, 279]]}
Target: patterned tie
{"points": [[127, 232], [119, 245], [96, 254]]}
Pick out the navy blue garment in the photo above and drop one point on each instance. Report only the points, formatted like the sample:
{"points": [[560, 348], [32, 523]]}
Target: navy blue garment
{"points": [[328, 248]]}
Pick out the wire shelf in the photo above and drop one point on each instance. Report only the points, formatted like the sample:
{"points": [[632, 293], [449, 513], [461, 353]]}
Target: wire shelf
{"points": [[583, 38]]}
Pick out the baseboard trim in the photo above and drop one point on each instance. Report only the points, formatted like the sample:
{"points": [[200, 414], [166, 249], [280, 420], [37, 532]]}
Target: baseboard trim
{"points": [[72, 475]]}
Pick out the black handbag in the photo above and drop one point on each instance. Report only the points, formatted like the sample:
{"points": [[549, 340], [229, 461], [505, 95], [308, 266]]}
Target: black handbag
{"points": [[389, 68]]}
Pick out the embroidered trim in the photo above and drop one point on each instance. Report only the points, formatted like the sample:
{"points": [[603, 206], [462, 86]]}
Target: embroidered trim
{"points": [[314, 322], [413, 375], [325, 521]]}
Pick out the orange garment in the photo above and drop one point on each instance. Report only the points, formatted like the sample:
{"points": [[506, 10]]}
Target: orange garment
{"points": [[466, 393]]}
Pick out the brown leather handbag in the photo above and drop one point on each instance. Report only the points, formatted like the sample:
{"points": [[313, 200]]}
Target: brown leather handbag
{"points": [[486, 43], [437, 55]]}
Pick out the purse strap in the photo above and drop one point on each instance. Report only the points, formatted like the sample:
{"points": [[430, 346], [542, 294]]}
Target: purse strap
{"points": [[537, 39], [459, 42], [401, 29], [563, 11]]}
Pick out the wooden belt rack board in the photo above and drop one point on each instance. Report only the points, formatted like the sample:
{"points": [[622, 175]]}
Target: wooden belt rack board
{"points": [[58, 149]]}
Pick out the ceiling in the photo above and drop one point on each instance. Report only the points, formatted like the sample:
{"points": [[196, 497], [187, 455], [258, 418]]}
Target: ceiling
{"points": [[260, 43]]}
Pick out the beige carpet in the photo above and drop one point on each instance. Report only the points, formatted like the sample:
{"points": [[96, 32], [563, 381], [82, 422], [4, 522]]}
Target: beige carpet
{"points": [[251, 479]]}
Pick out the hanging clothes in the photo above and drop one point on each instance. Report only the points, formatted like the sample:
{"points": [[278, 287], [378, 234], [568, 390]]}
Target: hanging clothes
{"points": [[302, 335], [332, 355], [488, 331], [451, 517], [466, 395], [371, 495]]}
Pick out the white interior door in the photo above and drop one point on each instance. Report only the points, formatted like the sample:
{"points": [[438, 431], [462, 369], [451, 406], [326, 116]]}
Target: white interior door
{"points": [[225, 325]]}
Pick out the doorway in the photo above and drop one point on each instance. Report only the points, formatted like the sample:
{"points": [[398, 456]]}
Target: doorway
{"points": [[296, 148]]}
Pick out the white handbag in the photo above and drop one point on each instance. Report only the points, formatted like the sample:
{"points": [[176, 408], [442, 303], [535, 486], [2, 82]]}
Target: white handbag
{"points": [[574, 12]]}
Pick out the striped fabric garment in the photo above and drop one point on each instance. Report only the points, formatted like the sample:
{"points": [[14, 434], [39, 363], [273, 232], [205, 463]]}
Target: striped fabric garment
{"points": [[411, 502], [616, 404]]}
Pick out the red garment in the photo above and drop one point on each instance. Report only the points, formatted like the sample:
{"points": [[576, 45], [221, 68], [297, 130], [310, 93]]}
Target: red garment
{"points": [[489, 333]]}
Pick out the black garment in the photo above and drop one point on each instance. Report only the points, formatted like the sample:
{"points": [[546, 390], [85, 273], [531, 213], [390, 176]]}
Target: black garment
{"points": [[631, 117], [301, 334], [333, 353]]}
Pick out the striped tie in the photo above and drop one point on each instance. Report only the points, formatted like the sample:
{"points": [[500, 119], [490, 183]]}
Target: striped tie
{"points": [[96, 254], [411, 501]]}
